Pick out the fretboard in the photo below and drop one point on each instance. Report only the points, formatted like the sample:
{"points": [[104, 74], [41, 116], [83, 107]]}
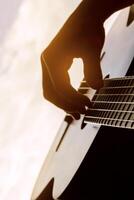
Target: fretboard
{"points": [[113, 105]]}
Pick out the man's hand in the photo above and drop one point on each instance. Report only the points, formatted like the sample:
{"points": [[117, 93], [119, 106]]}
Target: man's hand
{"points": [[82, 36]]}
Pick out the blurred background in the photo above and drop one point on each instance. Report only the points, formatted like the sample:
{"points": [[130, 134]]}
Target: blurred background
{"points": [[28, 123]]}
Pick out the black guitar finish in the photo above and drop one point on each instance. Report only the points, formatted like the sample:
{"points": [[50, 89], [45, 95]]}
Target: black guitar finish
{"points": [[47, 193], [107, 172]]}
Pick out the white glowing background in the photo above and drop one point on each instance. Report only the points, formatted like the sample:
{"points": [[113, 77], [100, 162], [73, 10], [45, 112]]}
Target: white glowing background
{"points": [[28, 123]]}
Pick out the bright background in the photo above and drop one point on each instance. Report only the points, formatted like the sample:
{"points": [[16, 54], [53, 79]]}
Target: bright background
{"points": [[28, 123]]}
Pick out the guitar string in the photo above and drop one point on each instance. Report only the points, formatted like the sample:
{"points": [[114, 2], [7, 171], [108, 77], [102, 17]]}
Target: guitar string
{"points": [[119, 87], [114, 79], [106, 110], [120, 78], [128, 124], [114, 102], [113, 111], [89, 116], [94, 117], [105, 81], [124, 78], [114, 95]]}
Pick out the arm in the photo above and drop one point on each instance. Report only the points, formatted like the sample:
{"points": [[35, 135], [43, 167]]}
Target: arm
{"points": [[82, 36], [106, 8]]}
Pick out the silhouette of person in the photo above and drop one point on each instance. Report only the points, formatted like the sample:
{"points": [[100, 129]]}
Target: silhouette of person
{"points": [[107, 169], [82, 36]]}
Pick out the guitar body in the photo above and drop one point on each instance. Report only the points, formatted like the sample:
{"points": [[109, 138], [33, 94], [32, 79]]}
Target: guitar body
{"points": [[97, 160]]}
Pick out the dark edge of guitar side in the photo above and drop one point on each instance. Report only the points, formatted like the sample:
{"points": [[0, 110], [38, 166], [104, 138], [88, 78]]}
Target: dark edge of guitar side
{"points": [[46, 194]]}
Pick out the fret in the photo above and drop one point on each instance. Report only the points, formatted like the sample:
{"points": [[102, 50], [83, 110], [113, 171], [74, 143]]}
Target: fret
{"points": [[131, 108], [115, 114], [100, 115], [128, 82], [105, 104], [129, 125], [119, 107], [97, 114], [117, 90], [92, 110], [131, 99], [103, 115], [111, 83], [113, 105], [107, 113], [89, 119], [102, 118], [132, 82], [120, 83], [114, 102], [126, 117], [132, 117], [122, 78], [112, 97], [122, 116], [107, 88], [127, 114], [110, 114], [117, 81]]}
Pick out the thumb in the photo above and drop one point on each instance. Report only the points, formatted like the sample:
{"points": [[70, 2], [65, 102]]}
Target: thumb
{"points": [[92, 70]]}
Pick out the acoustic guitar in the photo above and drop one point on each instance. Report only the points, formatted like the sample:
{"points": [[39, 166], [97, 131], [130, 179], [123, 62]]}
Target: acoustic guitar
{"points": [[82, 152]]}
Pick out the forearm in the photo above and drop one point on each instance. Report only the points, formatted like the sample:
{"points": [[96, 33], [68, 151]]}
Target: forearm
{"points": [[104, 8]]}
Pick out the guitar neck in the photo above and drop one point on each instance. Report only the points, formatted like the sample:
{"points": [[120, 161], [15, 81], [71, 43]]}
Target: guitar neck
{"points": [[113, 105]]}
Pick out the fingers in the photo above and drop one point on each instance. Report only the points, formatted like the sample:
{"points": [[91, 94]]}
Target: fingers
{"points": [[92, 47], [56, 83], [75, 115], [63, 95], [92, 69], [66, 91]]}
